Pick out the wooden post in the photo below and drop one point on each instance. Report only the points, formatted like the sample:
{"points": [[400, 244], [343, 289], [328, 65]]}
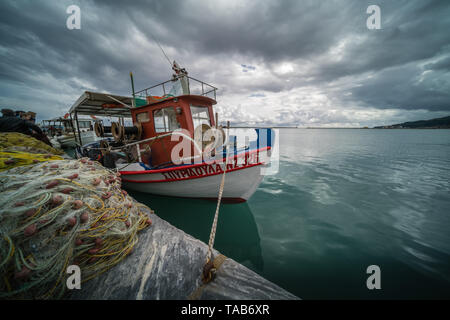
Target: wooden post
{"points": [[78, 128]]}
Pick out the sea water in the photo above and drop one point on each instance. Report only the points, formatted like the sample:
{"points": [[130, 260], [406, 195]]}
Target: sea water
{"points": [[342, 200]]}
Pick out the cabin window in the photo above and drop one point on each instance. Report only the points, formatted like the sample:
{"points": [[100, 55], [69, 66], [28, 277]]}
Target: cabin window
{"points": [[200, 115], [165, 120], [142, 117], [84, 124]]}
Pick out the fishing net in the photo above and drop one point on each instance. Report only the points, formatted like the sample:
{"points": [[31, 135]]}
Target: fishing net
{"points": [[17, 149], [60, 213], [11, 139]]}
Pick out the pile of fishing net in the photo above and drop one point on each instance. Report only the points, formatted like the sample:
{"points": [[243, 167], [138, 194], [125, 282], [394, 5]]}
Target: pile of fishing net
{"points": [[17, 149], [60, 213]]}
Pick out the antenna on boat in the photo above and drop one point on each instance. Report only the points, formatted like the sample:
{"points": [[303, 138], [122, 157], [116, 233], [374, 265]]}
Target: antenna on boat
{"points": [[164, 53], [133, 102]]}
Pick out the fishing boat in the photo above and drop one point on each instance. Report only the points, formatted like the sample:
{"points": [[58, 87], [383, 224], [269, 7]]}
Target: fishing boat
{"points": [[175, 145], [63, 130]]}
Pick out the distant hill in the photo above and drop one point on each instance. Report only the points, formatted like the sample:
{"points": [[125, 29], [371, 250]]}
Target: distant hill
{"points": [[438, 123]]}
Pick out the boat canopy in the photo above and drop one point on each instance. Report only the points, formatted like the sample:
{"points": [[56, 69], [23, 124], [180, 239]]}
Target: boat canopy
{"points": [[102, 104]]}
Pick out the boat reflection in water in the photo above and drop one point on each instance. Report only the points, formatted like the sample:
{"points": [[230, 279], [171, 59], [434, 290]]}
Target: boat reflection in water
{"points": [[237, 234]]}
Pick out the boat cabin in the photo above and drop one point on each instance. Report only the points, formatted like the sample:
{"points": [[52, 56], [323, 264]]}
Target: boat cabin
{"points": [[188, 105], [179, 103]]}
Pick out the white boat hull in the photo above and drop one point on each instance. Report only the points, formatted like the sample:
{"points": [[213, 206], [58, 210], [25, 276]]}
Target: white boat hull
{"points": [[68, 141], [201, 180]]}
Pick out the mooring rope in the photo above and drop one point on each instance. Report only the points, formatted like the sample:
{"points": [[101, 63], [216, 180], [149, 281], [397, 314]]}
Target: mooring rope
{"points": [[209, 266]]}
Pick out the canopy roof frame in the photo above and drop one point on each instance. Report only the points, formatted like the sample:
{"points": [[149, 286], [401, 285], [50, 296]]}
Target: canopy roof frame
{"points": [[92, 103]]}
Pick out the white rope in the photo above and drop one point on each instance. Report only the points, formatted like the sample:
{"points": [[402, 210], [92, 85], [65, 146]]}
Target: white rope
{"points": [[212, 235]]}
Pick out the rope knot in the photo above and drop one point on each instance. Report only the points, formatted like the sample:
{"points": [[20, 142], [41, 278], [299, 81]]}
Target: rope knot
{"points": [[209, 272]]}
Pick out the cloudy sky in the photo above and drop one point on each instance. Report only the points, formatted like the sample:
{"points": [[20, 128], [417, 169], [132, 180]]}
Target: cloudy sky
{"points": [[305, 63]]}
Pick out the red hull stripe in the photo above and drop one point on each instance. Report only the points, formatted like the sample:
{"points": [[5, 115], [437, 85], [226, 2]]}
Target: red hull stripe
{"points": [[191, 177], [124, 173]]}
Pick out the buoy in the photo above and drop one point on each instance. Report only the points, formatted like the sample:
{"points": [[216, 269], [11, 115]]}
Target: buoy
{"points": [[92, 260], [67, 190], [77, 204], [84, 217], [52, 184], [106, 195], [72, 221], [73, 176], [22, 274], [96, 181], [30, 230], [30, 212], [57, 200], [93, 250]]}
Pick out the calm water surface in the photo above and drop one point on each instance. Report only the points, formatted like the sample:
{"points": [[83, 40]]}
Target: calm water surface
{"points": [[342, 200]]}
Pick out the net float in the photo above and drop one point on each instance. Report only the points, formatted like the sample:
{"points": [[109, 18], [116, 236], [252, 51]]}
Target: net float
{"points": [[92, 260], [84, 217], [22, 274], [67, 190], [10, 161], [78, 242], [73, 176], [149, 222], [30, 230], [54, 166], [19, 204], [98, 241], [77, 204], [96, 181], [83, 160], [57, 200], [36, 161], [72, 221], [127, 223], [93, 250], [52, 184], [106, 195], [30, 212]]}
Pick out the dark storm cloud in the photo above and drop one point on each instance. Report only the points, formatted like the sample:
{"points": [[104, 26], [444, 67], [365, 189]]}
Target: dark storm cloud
{"points": [[405, 65]]}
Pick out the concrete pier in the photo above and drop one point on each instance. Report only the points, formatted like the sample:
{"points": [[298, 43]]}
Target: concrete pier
{"points": [[167, 264]]}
